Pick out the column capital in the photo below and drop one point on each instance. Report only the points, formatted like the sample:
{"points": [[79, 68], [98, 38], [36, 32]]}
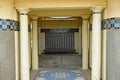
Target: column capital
{"points": [[23, 11], [34, 18], [97, 9], [85, 17]]}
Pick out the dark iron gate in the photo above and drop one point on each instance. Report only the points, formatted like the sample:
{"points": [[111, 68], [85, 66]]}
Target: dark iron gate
{"points": [[59, 41]]}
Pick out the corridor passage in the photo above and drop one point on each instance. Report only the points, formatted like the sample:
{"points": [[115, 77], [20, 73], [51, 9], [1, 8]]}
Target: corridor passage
{"points": [[60, 67]]}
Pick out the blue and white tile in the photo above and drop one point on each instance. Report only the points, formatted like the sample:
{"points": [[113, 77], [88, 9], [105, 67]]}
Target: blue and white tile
{"points": [[60, 74], [111, 23], [7, 24]]}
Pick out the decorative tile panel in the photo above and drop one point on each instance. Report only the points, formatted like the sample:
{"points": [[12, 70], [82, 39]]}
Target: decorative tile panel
{"points": [[61, 74], [7, 24], [111, 23]]}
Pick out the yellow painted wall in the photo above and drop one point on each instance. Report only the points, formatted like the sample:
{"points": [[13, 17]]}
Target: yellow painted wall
{"points": [[7, 10], [113, 8], [90, 44], [60, 12], [59, 23]]}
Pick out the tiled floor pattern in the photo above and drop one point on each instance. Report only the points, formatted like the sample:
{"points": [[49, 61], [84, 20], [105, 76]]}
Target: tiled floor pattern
{"points": [[60, 74]]}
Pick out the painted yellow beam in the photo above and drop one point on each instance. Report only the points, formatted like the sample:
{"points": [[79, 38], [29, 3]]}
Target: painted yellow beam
{"points": [[35, 4], [57, 23], [65, 12]]}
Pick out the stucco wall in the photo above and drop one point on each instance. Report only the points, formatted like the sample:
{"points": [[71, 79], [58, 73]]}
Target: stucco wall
{"points": [[7, 55], [113, 55]]}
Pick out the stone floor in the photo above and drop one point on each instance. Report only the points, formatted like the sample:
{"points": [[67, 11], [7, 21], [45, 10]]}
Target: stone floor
{"points": [[59, 60], [60, 67]]}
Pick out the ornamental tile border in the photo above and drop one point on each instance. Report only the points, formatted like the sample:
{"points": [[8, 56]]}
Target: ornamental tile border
{"points": [[12, 25], [8, 24], [111, 23]]}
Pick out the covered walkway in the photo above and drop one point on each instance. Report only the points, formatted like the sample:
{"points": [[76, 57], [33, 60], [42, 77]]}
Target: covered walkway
{"points": [[31, 30]]}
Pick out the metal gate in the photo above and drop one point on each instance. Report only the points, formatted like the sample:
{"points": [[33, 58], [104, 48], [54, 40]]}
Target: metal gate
{"points": [[59, 40]]}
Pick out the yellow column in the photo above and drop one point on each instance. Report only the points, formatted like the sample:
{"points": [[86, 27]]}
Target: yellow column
{"points": [[104, 55], [96, 43], [90, 57], [24, 54], [17, 48], [104, 37], [90, 43], [17, 55], [39, 40], [29, 46], [85, 42], [34, 43], [80, 40]]}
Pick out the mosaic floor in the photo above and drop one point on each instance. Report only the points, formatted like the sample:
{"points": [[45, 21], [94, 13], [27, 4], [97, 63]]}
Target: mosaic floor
{"points": [[60, 74]]}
